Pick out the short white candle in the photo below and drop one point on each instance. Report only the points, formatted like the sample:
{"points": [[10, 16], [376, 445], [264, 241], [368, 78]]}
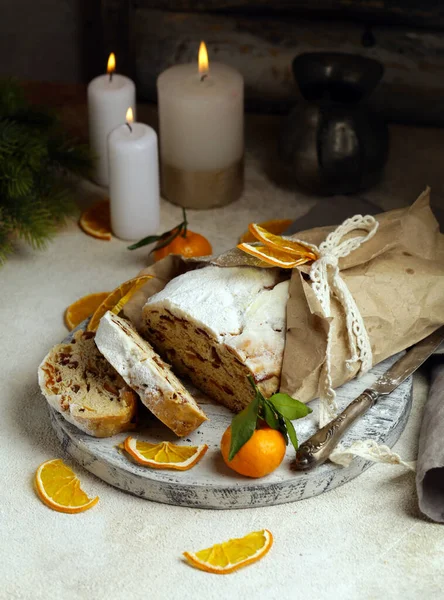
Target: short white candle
{"points": [[109, 97], [133, 180], [201, 121]]}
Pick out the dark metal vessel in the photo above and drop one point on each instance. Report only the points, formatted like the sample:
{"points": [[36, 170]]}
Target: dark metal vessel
{"points": [[333, 143]]}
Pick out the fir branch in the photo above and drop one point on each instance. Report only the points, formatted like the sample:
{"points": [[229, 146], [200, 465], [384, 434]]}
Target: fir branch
{"points": [[31, 220], [36, 159], [16, 179]]}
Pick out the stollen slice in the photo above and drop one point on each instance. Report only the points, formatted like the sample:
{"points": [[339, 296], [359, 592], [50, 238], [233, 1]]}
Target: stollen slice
{"points": [[146, 373], [80, 384]]}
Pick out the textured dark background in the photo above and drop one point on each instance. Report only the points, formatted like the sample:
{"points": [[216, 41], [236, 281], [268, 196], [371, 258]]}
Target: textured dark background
{"points": [[69, 40], [65, 40], [50, 40]]}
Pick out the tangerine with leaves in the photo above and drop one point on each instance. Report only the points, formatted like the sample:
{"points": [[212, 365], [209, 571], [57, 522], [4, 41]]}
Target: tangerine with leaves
{"points": [[254, 444], [261, 455], [188, 244], [179, 240]]}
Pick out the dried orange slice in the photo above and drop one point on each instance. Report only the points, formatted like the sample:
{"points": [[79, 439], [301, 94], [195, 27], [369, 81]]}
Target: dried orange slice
{"points": [[59, 488], [96, 221], [234, 554], [273, 257], [164, 455], [82, 308], [116, 300], [276, 226], [281, 244]]}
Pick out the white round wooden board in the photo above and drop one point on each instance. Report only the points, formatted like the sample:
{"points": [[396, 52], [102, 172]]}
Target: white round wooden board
{"points": [[211, 484]]}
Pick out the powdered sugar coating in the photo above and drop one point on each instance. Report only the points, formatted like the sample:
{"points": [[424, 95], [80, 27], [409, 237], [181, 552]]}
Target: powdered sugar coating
{"points": [[242, 307]]}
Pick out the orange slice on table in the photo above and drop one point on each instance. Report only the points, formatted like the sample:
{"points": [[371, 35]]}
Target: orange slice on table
{"points": [[276, 226], [282, 244], [82, 308], [116, 300], [164, 455], [273, 257], [234, 554], [58, 487], [96, 221]]}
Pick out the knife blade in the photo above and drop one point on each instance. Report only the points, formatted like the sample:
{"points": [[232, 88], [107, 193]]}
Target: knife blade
{"points": [[318, 448], [409, 363]]}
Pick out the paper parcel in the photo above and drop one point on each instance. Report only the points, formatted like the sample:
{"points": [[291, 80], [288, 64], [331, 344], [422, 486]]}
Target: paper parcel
{"points": [[396, 279]]}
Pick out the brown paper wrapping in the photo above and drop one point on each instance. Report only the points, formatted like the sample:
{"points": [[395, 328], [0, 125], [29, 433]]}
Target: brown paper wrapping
{"points": [[396, 279]]}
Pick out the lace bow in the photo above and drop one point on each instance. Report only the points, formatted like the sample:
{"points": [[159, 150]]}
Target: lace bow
{"points": [[326, 282]]}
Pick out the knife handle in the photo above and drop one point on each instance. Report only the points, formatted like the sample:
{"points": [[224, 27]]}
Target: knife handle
{"points": [[318, 448]]}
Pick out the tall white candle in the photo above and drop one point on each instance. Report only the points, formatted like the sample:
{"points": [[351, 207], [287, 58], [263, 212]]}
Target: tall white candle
{"points": [[133, 180], [109, 97], [201, 132]]}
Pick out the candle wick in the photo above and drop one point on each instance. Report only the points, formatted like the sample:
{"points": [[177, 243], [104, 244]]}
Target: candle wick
{"points": [[129, 127], [204, 76], [111, 76]]}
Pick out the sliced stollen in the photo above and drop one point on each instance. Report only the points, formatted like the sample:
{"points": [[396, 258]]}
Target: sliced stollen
{"points": [[144, 370], [78, 382], [219, 325]]}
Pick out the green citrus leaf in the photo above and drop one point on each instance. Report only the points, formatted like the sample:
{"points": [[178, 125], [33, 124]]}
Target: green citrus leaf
{"points": [[145, 241], [163, 239], [269, 414], [292, 433], [289, 407], [243, 426]]}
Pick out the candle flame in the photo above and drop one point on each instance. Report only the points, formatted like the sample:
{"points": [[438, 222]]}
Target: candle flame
{"points": [[129, 115], [203, 59], [111, 67]]}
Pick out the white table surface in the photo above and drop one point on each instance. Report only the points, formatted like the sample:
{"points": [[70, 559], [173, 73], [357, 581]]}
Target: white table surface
{"points": [[364, 540]]}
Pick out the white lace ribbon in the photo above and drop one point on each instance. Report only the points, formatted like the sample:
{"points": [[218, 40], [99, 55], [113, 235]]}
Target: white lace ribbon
{"points": [[369, 450], [326, 282]]}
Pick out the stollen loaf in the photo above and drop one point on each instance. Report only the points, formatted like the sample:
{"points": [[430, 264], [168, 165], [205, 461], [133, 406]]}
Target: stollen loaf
{"points": [[396, 279], [218, 326], [146, 373]]}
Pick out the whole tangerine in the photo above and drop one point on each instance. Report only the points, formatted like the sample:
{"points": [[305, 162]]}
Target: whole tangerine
{"points": [[261, 455], [188, 244]]}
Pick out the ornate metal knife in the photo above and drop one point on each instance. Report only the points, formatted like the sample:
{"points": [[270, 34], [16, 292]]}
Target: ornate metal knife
{"points": [[318, 448]]}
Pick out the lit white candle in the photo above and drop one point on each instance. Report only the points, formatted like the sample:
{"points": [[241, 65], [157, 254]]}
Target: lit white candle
{"points": [[201, 114], [133, 180], [109, 97]]}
